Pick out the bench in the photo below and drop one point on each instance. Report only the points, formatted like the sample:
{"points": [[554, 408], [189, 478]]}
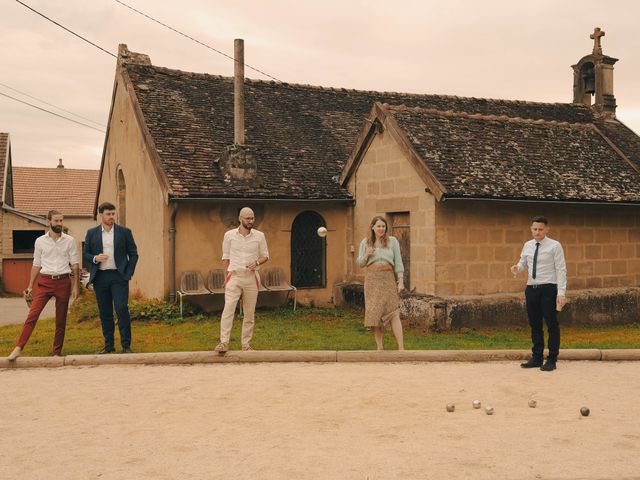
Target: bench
{"points": [[191, 283], [273, 280]]}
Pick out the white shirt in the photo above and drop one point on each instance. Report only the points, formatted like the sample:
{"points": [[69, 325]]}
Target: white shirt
{"points": [[550, 267], [241, 250], [54, 256], [108, 249]]}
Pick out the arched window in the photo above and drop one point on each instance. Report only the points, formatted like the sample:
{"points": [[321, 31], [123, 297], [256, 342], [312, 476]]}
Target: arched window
{"points": [[122, 198], [308, 251]]}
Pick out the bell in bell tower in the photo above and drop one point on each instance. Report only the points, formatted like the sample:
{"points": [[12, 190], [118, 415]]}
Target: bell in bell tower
{"points": [[593, 76]]}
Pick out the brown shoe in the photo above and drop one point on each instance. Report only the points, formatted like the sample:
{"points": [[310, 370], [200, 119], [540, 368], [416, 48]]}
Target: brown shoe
{"points": [[222, 347], [247, 348], [14, 354]]}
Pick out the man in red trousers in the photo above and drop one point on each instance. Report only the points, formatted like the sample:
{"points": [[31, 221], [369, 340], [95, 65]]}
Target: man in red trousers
{"points": [[56, 268]]}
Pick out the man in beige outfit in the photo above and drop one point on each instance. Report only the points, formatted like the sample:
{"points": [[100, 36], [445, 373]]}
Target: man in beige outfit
{"points": [[244, 249]]}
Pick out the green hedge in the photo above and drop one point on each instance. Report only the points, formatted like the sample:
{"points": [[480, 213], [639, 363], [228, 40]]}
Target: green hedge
{"points": [[85, 308]]}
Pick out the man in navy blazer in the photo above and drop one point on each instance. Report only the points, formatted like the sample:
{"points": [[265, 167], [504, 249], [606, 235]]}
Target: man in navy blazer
{"points": [[112, 254]]}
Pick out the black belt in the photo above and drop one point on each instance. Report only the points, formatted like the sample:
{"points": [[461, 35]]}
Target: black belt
{"points": [[56, 277], [543, 285]]}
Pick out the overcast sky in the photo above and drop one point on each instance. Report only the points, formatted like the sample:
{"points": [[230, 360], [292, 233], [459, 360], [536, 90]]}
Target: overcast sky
{"points": [[509, 49]]}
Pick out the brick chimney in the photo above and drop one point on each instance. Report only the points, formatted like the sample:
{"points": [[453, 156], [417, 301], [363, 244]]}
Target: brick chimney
{"points": [[60, 165]]}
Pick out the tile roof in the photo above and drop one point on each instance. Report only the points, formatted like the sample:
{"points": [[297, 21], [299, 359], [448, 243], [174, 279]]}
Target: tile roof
{"points": [[71, 191], [302, 135], [4, 150], [501, 157]]}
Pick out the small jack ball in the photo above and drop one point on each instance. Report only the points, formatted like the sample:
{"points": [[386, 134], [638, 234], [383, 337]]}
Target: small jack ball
{"points": [[533, 403], [584, 411], [476, 404]]}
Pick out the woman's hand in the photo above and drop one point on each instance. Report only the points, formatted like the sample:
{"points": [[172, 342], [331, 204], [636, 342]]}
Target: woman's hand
{"points": [[400, 285], [369, 252]]}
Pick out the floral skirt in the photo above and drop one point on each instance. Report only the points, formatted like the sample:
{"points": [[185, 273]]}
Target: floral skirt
{"points": [[381, 299]]}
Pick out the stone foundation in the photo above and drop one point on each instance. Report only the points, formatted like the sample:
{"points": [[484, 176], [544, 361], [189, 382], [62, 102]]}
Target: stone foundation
{"points": [[619, 306]]}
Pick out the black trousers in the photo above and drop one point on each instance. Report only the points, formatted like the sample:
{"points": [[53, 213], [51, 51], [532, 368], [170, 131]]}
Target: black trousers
{"points": [[541, 303], [112, 290]]}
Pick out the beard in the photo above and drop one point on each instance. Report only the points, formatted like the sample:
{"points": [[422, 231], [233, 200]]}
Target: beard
{"points": [[56, 229]]}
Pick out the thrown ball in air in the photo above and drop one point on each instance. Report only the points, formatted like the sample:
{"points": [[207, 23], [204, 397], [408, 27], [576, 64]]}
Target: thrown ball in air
{"points": [[322, 232]]}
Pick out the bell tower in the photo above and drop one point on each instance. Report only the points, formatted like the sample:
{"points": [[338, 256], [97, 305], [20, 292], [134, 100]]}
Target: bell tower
{"points": [[593, 76]]}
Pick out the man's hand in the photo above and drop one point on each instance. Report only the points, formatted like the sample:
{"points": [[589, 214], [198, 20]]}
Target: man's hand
{"points": [[561, 301], [74, 293], [102, 257], [514, 270]]}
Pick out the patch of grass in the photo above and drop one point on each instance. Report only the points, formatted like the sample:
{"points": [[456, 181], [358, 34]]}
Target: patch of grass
{"points": [[283, 329]]}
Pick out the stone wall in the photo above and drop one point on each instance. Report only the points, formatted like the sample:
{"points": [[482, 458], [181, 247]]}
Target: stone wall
{"points": [[478, 241], [427, 313]]}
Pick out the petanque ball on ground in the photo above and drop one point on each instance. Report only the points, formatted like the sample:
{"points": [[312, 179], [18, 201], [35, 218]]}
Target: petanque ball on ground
{"points": [[450, 407], [322, 232], [584, 411], [476, 404], [532, 403], [488, 410]]}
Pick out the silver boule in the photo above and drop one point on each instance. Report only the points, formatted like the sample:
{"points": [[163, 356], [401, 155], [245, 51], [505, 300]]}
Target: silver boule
{"points": [[476, 404], [488, 410], [450, 407], [532, 403], [584, 411]]}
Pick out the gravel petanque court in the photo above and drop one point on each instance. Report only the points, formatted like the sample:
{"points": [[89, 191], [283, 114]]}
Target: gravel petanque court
{"points": [[321, 421]]}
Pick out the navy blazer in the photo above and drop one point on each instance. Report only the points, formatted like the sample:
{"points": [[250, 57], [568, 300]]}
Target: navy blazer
{"points": [[125, 250]]}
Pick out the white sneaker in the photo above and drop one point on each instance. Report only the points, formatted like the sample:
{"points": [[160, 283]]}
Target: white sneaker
{"points": [[247, 348], [15, 354]]}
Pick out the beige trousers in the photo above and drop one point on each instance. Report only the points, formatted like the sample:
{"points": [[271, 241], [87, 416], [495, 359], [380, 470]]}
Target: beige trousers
{"points": [[239, 284]]}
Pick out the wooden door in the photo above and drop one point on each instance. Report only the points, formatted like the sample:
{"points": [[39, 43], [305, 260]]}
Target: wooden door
{"points": [[401, 229]]}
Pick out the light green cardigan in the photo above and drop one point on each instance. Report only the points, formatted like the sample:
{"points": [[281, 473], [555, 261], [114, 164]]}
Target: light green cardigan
{"points": [[390, 255]]}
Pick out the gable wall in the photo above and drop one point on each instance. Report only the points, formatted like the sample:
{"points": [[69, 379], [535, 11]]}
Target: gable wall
{"points": [[478, 241], [146, 211], [385, 182]]}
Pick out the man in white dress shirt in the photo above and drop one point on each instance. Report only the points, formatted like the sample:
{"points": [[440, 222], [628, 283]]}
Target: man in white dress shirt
{"points": [[545, 292], [244, 249], [56, 267]]}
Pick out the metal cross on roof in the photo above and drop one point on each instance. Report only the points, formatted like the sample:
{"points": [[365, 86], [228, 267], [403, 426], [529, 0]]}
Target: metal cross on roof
{"points": [[595, 36]]}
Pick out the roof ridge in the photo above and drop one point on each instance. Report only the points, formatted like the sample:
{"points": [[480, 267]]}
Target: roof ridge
{"points": [[66, 169], [480, 116], [372, 92]]}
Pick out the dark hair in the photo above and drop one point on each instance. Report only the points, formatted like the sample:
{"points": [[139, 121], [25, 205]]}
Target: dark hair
{"points": [[540, 219], [371, 239], [52, 213], [106, 206]]}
